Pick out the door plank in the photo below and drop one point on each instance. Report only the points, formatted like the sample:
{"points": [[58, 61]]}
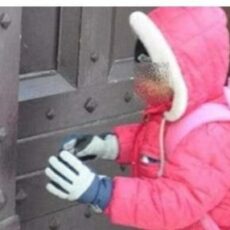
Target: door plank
{"points": [[9, 65], [39, 39], [95, 45], [33, 152], [69, 109], [69, 37], [69, 219]]}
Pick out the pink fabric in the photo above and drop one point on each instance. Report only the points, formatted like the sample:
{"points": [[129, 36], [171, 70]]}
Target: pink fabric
{"points": [[209, 112], [209, 224], [126, 136], [199, 38], [196, 180]]}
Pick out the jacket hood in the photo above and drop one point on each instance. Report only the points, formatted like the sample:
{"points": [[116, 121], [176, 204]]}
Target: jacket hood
{"points": [[194, 41]]}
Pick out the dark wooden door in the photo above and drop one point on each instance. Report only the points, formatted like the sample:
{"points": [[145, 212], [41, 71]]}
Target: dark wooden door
{"points": [[75, 70]]}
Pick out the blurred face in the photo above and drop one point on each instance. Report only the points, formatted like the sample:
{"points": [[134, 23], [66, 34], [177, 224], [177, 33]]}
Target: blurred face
{"points": [[151, 81]]}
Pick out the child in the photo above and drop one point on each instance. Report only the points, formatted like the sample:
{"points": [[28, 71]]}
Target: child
{"points": [[181, 176]]}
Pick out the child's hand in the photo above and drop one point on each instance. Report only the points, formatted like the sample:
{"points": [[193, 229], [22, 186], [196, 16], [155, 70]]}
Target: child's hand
{"points": [[89, 147], [72, 180]]}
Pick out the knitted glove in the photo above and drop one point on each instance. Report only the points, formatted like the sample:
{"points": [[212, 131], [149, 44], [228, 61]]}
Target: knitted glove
{"points": [[72, 180], [86, 147]]}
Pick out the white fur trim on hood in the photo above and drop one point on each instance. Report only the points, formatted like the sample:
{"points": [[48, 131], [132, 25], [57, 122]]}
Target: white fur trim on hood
{"points": [[160, 51]]}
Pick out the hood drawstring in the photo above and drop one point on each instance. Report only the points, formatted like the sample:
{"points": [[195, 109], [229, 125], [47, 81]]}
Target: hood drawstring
{"points": [[162, 148]]}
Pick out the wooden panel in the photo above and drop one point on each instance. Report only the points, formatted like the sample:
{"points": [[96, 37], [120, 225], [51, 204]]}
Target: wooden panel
{"points": [[31, 187], [69, 37], [45, 119], [69, 109], [39, 39], [11, 223], [34, 152], [124, 38], [9, 59], [122, 70], [95, 45], [70, 219], [44, 86], [33, 199]]}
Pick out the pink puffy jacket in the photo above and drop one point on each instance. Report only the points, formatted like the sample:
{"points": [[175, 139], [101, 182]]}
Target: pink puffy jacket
{"points": [[196, 177]]}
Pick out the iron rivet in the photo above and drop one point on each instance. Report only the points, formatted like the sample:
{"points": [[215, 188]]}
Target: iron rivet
{"points": [[21, 195], [50, 114], [127, 97], [2, 134], [54, 224], [90, 105], [94, 57], [87, 213], [2, 200], [5, 20], [122, 168]]}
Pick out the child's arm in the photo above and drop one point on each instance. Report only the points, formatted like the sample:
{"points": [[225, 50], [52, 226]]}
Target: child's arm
{"points": [[126, 136], [196, 180], [110, 146], [72, 180]]}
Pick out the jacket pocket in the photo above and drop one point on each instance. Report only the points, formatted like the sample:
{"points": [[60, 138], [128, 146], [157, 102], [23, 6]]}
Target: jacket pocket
{"points": [[148, 165]]}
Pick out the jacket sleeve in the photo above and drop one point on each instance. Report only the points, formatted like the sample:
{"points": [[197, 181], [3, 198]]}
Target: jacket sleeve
{"points": [[197, 177], [126, 135]]}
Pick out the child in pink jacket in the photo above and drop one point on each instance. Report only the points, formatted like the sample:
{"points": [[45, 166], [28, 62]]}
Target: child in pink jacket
{"points": [[185, 187]]}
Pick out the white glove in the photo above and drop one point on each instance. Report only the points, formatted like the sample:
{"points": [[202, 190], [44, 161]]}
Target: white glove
{"points": [[70, 178], [89, 146]]}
